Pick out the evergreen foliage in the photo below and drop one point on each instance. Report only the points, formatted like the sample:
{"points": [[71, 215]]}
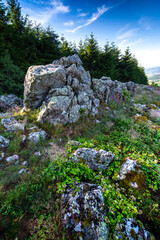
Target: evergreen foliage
{"points": [[24, 44]]}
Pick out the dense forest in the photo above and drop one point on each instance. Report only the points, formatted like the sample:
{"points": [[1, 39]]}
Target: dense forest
{"points": [[24, 43]]}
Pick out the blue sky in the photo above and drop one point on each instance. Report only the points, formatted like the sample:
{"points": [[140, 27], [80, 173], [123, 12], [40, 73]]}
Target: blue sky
{"points": [[134, 23]]}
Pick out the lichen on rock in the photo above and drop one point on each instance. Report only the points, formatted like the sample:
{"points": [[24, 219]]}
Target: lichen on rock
{"points": [[93, 158], [83, 213]]}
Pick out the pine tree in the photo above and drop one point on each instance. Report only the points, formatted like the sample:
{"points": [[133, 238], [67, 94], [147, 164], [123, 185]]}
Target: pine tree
{"points": [[14, 14], [3, 26], [91, 56], [129, 69]]}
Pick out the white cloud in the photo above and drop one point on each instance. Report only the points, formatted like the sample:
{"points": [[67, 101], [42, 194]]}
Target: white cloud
{"points": [[135, 42], [143, 22], [122, 44], [122, 29], [82, 14], [125, 43], [93, 18], [69, 23], [129, 33], [59, 7], [43, 17]]}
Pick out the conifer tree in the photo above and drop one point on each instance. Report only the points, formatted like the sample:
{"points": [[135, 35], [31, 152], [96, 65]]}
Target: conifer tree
{"points": [[14, 14], [91, 55]]}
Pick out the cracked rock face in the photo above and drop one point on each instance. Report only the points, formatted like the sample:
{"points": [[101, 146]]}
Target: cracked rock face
{"points": [[63, 89], [83, 213], [93, 158]]}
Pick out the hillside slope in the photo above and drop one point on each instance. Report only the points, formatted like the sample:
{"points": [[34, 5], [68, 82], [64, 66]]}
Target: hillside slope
{"points": [[31, 185]]}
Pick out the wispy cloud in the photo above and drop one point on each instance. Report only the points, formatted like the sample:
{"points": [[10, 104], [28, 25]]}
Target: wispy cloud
{"points": [[94, 17], [83, 14], [144, 22], [122, 43], [55, 7], [139, 40], [122, 29], [125, 43], [129, 33], [69, 23]]}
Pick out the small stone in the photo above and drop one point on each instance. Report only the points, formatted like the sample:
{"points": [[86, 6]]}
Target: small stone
{"points": [[37, 136], [38, 154], [133, 198], [12, 125], [1, 156], [74, 143], [33, 128], [23, 138], [130, 229], [126, 167], [22, 171], [51, 144], [25, 163], [134, 185], [108, 109], [97, 121], [4, 142], [12, 158], [93, 158], [154, 113]]}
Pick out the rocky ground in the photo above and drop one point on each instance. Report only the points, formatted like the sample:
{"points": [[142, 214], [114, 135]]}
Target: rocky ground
{"points": [[97, 178]]}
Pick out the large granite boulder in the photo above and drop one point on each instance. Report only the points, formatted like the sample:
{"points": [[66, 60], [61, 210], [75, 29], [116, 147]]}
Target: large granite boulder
{"points": [[93, 158], [60, 90], [83, 214], [64, 89], [9, 101]]}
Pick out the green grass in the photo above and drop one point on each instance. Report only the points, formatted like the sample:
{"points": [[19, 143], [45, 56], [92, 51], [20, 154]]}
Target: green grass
{"points": [[34, 199]]}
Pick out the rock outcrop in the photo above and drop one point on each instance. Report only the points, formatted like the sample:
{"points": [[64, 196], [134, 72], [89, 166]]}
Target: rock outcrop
{"points": [[64, 89], [9, 101], [83, 213]]}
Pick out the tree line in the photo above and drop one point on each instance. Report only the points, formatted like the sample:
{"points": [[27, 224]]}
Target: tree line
{"points": [[24, 43]]}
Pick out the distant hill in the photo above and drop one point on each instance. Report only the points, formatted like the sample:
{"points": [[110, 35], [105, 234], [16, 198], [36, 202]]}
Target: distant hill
{"points": [[153, 75], [155, 79]]}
